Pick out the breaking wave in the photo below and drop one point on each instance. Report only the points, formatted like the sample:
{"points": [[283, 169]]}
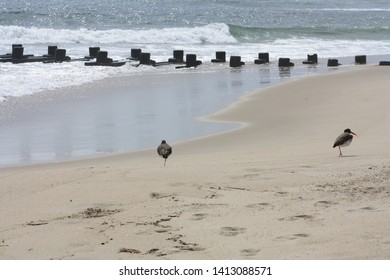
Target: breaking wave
{"points": [[215, 33]]}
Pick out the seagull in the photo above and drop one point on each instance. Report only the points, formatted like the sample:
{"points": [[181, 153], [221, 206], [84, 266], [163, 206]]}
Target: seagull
{"points": [[164, 150], [343, 140]]}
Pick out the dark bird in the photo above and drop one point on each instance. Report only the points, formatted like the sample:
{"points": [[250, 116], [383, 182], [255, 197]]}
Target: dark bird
{"points": [[164, 150], [344, 139]]}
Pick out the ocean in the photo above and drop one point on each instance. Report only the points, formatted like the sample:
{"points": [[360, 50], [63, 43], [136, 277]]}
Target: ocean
{"points": [[288, 28]]}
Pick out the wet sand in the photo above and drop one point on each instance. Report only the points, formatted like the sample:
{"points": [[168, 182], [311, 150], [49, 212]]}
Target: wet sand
{"points": [[129, 113], [273, 189]]}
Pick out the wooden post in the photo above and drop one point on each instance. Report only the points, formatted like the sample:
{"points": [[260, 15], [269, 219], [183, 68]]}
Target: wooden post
{"points": [[333, 62], [178, 57], [219, 57], [263, 58], [144, 58], [17, 52], [51, 50], [60, 55], [235, 61], [93, 52], [191, 60], [360, 59], [285, 62], [135, 53], [311, 59], [101, 57]]}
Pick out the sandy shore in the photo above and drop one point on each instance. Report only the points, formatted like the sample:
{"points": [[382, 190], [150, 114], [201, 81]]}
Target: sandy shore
{"points": [[274, 189]]}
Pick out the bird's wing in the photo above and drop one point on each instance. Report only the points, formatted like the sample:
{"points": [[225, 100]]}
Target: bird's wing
{"points": [[344, 137], [160, 150], [164, 150]]}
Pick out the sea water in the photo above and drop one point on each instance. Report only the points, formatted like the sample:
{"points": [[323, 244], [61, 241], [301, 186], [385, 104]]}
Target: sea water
{"points": [[288, 28]]}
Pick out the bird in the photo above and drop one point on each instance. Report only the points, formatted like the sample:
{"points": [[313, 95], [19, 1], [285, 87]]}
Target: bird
{"points": [[344, 139], [164, 150]]}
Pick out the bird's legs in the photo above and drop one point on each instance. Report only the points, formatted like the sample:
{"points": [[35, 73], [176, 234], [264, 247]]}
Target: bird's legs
{"points": [[165, 161], [341, 154]]}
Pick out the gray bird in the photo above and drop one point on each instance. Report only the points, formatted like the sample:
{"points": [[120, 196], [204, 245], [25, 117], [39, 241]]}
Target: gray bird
{"points": [[343, 140], [164, 150]]}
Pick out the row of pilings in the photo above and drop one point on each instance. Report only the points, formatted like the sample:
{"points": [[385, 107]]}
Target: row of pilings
{"points": [[98, 57]]}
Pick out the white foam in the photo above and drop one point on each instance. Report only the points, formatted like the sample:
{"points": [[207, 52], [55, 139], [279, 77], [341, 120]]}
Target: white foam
{"points": [[297, 47], [29, 78], [215, 33], [204, 41]]}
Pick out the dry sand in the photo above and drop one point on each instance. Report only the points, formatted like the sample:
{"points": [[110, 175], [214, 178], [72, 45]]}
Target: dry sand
{"points": [[274, 189]]}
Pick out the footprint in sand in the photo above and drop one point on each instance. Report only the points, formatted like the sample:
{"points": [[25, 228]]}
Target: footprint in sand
{"points": [[156, 195], [324, 203], [298, 217], [198, 216], [258, 206], [293, 236], [193, 248], [249, 252], [37, 223], [164, 230], [301, 235], [231, 231], [129, 251], [152, 251], [368, 208], [251, 176], [180, 245], [282, 193]]}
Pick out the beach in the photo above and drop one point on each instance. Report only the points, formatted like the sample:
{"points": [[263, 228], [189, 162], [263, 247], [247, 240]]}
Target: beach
{"points": [[272, 188]]}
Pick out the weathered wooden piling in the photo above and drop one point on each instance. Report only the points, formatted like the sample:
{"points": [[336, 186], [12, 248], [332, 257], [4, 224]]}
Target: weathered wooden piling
{"points": [[360, 59], [191, 60], [332, 62], [8, 55], [135, 54], [220, 57], [51, 51], [178, 57], [235, 61], [17, 52], [311, 59], [102, 59], [262, 58], [15, 46], [93, 51], [60, 55], [18, 56], [285, 62], [144, 58]]}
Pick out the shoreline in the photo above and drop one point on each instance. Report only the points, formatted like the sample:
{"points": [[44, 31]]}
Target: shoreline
{"points": [[97, 118], [85, 93], [274, 189]]}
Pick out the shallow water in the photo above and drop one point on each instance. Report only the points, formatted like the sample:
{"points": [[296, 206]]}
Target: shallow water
{"points": [[125, 114], [291, 28]]}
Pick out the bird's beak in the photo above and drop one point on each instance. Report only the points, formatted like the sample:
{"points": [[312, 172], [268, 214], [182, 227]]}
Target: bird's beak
{"points": [[354, 133]]}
